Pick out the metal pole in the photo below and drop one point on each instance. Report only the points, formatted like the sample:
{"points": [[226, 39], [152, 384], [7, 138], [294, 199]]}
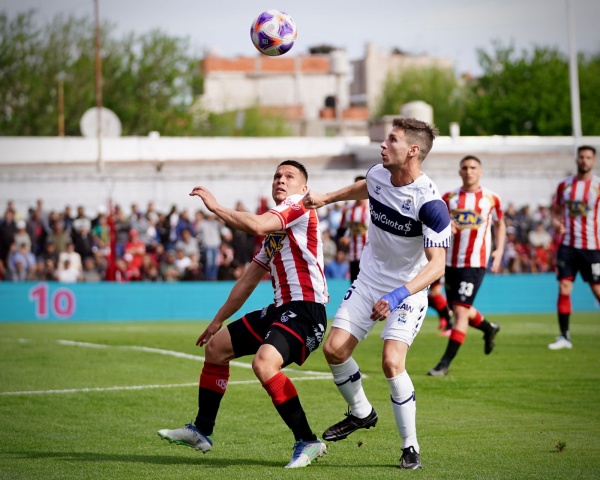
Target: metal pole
{"points": [[573, 77], [100, 164], [61, 106]]}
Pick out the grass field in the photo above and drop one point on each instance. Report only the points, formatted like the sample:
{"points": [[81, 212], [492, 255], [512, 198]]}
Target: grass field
{"points": [[70, 406]]}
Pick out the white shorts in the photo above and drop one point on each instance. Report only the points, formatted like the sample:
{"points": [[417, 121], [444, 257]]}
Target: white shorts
{"points": [[403, 324]]}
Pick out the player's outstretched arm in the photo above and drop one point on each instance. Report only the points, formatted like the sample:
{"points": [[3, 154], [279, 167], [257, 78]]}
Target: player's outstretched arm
{"points": [[248, 222], [356, 191], [238, 295]]}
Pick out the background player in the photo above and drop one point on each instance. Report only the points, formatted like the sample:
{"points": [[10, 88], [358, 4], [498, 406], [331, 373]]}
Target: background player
{"points": [[352, 234], [286, 331], [408, 237], [576, 216], [473, 209], [437, 300]]}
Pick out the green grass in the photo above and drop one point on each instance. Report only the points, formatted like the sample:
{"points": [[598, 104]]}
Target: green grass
{"points": [[501, 416]]}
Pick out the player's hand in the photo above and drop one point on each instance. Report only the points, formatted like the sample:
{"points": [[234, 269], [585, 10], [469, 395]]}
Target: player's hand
{"points": [[453, 227], [207, 197], [207, 334], [381, 310], [313, 200], [389, 302], [496, 262]]}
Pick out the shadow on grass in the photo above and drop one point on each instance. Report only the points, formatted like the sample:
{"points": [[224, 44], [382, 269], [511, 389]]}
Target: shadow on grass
{"points": [[204, 460], [92, 457]]}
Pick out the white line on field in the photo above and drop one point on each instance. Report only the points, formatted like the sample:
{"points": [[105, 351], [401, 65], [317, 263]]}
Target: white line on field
{"points": [[140, 387], [180, 355]]}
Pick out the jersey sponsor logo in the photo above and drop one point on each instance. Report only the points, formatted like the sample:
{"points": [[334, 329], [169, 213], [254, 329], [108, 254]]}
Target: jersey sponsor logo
{"points": [[392, 221], [466, 219], [286, 316], [274, 243], [577, 208], [357, 229]]}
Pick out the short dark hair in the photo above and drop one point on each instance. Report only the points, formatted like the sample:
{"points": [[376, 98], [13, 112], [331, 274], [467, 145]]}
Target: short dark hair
{"points": [[419, 132], [298, 165], [358, 178], [586, 147], [469, 157]]}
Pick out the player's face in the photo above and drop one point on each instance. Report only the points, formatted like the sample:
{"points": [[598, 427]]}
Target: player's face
{"points": [[585, 161], [470, 172], [395, 149], [288, 180]]}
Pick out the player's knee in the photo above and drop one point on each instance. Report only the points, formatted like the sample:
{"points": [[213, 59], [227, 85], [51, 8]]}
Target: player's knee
{"points": [[333, 355], [218, 351], [391, 367]]}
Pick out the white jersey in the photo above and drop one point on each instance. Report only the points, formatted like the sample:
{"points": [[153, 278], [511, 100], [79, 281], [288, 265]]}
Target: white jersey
{"points": [[404, 220]]}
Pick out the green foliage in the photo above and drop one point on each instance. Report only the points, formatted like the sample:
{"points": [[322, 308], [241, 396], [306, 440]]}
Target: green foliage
{"points": [[149, 80], [528, 93], [520, 95], [250, 122], [493, 417], [434, 85], [589, 81]]}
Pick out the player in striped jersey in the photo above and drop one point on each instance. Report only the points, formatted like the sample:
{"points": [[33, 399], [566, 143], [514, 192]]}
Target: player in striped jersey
{"points": [[408, 237], [473, 210], [352, 234], [576, 216], [286, 331]]}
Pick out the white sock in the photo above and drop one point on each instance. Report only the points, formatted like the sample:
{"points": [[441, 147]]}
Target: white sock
{"points": [[347, 378], [405, 409]]}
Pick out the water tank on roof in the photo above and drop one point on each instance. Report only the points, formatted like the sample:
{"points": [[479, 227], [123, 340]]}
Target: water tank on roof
{"points": [[339, 62], [417, 109]]}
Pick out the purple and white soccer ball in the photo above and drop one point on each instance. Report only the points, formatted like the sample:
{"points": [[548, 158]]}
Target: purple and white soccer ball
{"points": [[273, 33]]}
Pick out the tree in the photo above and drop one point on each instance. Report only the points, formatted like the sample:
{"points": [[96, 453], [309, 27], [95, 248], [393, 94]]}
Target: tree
{"points": [[589, 85], [250, 122], [434, 85], [520, 95], [150, 81]]}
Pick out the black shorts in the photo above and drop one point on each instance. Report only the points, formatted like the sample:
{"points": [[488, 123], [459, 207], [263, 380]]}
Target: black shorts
{"points": [[571, 260], [295, 329], [462, 285]]}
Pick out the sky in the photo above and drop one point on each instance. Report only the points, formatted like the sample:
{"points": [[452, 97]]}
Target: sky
{"points": [[452, 29]]}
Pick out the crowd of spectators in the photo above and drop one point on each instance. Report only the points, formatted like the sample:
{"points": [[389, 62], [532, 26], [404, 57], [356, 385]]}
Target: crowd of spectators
{"points": [[154, 246]]}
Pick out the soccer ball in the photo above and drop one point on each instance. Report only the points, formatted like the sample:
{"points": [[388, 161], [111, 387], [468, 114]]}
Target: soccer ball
{"points": [[273, 33]]}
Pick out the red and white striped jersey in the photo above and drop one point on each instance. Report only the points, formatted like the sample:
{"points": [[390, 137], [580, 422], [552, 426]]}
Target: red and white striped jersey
{"points": [[579, 201], [473, 214], [294, 255], [355, 220]]}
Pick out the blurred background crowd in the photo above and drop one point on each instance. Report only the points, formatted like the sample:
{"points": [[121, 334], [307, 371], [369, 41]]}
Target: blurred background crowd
{"points": [[147, 245]]}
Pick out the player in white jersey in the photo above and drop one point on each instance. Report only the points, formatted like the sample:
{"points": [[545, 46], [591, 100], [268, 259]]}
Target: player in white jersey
{"points": [[473, 210], [408, 238], [285, 332], [576, 215]]}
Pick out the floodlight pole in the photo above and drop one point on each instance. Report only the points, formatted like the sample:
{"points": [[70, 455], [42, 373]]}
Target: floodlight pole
{"points": [[573, 77], [100, 163]]}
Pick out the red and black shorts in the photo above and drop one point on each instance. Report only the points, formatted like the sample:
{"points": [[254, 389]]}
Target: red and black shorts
{"points": [[295, 329], [571, 260], [462, 285]]}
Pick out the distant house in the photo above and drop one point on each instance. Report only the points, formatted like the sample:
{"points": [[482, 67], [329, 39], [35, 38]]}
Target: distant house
{"points": [[318, 94]]}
